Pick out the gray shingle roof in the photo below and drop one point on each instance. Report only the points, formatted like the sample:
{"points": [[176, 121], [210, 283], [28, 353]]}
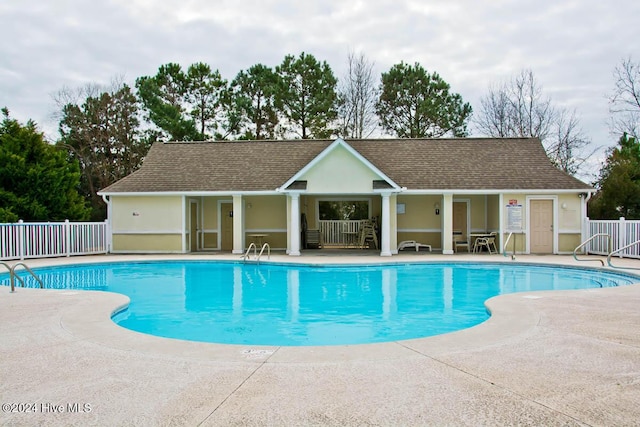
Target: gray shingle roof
{"points": [[418, 164]]}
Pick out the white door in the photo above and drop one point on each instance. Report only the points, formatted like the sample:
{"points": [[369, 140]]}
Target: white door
{"points": [[226, 212], [193, 227], [541, 212], [460, 217]]}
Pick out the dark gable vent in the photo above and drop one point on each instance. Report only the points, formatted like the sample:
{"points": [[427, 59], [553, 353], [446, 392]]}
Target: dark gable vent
{"points": [[381, 185], [298, 185]]}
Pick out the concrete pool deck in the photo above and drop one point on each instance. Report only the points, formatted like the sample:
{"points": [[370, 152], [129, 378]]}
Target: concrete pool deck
{"points": [[543, 358]]}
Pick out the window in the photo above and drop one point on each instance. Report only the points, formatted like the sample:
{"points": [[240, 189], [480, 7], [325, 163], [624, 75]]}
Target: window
{"points": [[343, 209]]}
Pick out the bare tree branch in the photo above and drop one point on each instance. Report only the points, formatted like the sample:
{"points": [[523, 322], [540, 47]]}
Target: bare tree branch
{"points": [[357, 96], [624, 102], [519, 108], [568, 143]]}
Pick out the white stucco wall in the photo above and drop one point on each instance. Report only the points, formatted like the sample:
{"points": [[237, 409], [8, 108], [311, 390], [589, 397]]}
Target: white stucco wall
{"points": [[157, 214]]}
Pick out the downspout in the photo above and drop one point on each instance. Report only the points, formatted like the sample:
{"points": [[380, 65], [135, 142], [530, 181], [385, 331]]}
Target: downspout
{"points": [[109, 234], [585, 218], [584, 204], [184, 224]]}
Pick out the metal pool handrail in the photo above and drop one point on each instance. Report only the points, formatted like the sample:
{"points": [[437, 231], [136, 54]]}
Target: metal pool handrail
{"points": [[255, 251], [10, 270], [620, 250], [13, 275], [609, 246], [266, 245], [506, 242]]}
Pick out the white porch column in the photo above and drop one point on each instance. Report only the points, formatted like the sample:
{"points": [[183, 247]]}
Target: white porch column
{"points": [[385, 230], [294, 250], [238, 225], [447, 224]]}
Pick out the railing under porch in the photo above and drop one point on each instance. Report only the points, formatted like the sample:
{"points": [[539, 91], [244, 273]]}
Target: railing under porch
{"points": [[340, 233]]}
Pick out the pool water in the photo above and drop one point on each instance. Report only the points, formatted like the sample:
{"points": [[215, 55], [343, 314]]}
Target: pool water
{"points": [[298, 305]]}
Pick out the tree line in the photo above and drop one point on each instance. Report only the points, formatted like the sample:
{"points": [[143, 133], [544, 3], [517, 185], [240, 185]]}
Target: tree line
{"points": [[106, 132]]}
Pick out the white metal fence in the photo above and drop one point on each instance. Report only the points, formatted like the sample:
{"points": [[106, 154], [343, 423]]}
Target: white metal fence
{"points": [[24, 240], [622, 233]]}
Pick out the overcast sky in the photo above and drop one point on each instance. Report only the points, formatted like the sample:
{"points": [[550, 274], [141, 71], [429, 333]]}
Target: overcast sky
{"points": [[571, 46]]}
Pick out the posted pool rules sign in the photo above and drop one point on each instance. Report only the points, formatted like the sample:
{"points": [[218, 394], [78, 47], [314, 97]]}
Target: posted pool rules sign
{"points": [[514, 216]]}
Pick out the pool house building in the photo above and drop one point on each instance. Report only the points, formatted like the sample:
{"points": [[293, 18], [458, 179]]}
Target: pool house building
{"points": [[313, 194]]}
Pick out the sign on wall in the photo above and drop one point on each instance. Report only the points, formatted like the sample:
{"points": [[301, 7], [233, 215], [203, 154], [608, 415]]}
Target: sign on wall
{"points": [[514, 217]]}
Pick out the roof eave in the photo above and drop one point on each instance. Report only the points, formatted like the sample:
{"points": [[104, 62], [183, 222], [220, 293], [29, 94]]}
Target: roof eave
{"points": [[499, 191], [190, 193]]}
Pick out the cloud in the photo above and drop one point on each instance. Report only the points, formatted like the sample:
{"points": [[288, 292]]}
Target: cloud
{"points": [[571, 46]]}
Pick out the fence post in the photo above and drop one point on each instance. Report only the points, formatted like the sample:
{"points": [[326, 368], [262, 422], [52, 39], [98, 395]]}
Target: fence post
{"points": [[67, 238], [21, 237], [106, 237], [586, 227], [622, 235]]}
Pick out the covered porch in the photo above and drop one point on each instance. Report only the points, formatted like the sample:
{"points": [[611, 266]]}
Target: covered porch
{"points": [[532, 223], [433, 220]]}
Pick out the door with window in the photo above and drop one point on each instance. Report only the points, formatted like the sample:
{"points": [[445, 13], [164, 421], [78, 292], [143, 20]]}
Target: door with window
{"points": [[541, 212], [460, 218]]}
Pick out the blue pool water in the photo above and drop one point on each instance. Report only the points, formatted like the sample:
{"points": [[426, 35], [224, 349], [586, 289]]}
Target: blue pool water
{"points": [[293, 305]]}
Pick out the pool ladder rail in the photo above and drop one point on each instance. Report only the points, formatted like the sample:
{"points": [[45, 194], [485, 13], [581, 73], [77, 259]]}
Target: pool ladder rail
{"points": [[583, 244], [256, 255], [13, 276], [609, 251], [620, 250], [506, 243]]}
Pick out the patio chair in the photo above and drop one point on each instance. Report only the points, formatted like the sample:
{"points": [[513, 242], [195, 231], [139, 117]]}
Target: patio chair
{"points": [[413, 244], [460, 241], [368, 235], [313, 239], [492, 240], [486, 241]]}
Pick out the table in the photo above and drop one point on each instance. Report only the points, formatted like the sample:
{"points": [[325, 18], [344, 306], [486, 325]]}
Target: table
{"points": [[259, 237]]}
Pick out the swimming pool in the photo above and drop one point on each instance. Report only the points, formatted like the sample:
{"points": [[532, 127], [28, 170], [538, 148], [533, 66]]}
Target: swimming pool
{"points": [[298, 305]]}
